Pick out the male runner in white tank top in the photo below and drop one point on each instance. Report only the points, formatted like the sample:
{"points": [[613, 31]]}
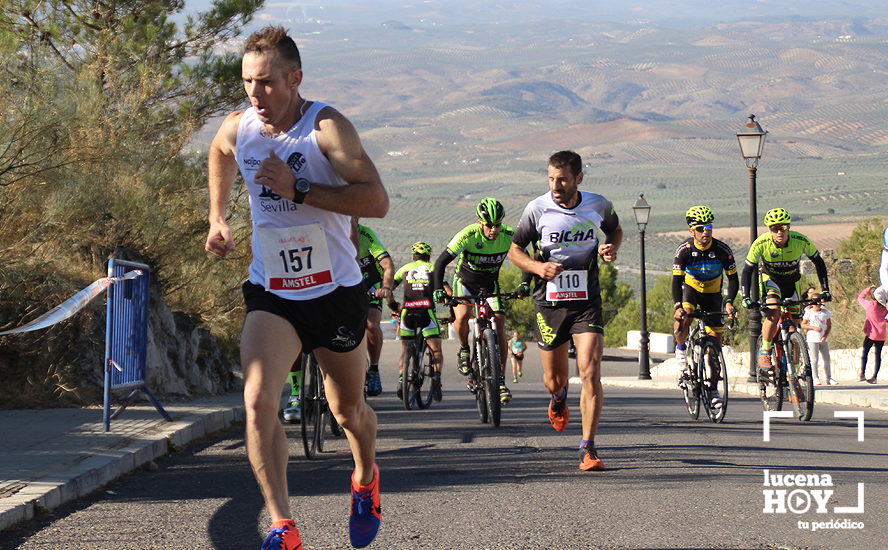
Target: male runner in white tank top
{"points": [[307, 174]]}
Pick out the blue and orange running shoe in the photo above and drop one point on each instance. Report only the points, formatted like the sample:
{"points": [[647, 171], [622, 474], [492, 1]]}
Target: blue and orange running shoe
{"points": [[283, 536], [366, 515]]}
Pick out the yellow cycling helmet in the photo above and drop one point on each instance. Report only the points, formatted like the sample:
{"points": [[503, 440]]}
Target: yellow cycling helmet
{"points": [[422, 248], [698, 215], [777, 216]]}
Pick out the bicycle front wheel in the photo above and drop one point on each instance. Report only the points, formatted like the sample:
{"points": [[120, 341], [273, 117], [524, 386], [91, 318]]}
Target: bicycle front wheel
{"points": [[490, 373], [771, 390], [801, 380], [691, 388], [424, 382], [478, 380], [313, 407], [714, 377]]}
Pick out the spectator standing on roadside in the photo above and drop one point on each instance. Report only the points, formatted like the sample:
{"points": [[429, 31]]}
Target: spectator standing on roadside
{"points": [[818, 324], [873, 331]]}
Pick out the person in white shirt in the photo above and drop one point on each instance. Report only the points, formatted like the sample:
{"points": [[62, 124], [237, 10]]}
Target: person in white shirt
{"points": [[818, 324]]}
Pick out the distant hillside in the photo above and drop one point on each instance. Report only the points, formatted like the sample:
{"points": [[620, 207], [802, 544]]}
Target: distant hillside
{"points": [[451, 113]]}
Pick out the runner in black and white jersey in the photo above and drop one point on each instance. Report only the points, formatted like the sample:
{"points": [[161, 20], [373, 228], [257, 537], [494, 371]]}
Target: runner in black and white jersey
{"points": [[568, 230], [306, 173]]}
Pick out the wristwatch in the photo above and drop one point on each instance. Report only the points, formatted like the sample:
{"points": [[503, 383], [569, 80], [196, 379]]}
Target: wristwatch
{"points": [[301, 189]]}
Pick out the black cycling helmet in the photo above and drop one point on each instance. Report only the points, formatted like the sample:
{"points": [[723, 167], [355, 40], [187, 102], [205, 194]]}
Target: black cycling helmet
{"points": [[490, 211]]}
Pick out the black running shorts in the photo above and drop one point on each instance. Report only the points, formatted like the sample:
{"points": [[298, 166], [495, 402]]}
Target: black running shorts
{"points": [[336, 321], [555, 324]]}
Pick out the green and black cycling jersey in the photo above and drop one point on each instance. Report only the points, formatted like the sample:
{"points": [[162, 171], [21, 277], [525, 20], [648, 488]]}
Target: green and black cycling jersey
{"points": [[782, 264], [417, 279], [703, 270], [372, 251], [480, 259]]}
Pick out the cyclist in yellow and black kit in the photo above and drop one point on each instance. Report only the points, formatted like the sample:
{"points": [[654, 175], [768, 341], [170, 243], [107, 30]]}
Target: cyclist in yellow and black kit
{"points": [[780, 252], [481, 248], [700, 265]]}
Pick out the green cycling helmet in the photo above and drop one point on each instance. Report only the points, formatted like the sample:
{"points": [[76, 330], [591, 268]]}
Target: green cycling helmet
{"points": [[776, 216], [490, 211], [422, 248], [698, 215]]}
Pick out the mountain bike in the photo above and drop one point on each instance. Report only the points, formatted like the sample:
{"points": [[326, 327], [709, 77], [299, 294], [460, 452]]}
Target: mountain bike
{"points": [[791, 377], [486, 369], [707, 371], [418, 383], [314, 408]]}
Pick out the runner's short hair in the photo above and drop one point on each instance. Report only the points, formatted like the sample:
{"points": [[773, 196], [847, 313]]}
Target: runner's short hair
{"points": [[569, 159], [275, 39]]}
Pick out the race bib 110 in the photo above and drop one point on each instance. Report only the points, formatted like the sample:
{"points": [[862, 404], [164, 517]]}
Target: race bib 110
{"points": [[568, 285]]}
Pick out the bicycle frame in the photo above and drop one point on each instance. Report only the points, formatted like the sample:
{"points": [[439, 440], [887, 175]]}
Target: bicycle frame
{"points": [[411, 387], [484, 380], [696, 384], [791, 370]]}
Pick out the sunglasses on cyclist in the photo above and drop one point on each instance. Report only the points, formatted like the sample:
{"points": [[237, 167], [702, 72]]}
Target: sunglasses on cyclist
{"points": [[702, 228], [779, 227], [492, 225]]}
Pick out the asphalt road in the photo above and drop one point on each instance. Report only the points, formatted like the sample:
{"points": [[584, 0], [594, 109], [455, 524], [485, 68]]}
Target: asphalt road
{"points": [[450, 482]]}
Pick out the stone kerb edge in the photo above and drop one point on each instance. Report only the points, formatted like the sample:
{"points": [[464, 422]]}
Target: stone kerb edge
{"points": [[97, 471]]}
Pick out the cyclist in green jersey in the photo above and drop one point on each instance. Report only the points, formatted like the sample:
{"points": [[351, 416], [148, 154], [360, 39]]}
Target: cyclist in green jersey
{"points": [[417, 277], [378, 271], [780, 252], [481, 248]]}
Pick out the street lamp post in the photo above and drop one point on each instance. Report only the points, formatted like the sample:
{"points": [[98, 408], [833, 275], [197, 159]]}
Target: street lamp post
{"points": [[752, 142], [642, 212]]}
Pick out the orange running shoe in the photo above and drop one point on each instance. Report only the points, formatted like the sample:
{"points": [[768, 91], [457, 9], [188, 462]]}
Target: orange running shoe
{"points": [[589, 459], [366, 515], [283, 536], [559, 413]]}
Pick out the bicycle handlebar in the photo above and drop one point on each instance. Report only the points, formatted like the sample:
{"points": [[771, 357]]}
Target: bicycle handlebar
{"points": [[480, 297], [786, 303], [702, 315]]}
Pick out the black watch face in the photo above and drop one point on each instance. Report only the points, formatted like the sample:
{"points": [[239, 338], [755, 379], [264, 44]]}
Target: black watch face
{"points": [[302, 186]]}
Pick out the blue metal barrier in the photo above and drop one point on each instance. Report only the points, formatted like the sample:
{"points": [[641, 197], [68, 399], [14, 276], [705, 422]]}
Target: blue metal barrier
{"points": [[126, 338]]}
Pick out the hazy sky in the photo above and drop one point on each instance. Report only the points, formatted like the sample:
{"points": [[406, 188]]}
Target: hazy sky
{"points": [[461, 12]]}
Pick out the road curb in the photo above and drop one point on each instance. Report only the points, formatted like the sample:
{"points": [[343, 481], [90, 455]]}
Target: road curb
{"points": [[91, 473], [827, 395]]}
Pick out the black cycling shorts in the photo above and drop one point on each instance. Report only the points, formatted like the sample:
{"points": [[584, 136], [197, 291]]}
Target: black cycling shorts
{"points": [[555, 324], [707, 303], [336, 321]]}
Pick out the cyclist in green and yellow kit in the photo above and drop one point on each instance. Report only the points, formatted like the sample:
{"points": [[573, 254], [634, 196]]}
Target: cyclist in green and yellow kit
{"points": [[481, 248], [780, 252], [378, 271]]}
